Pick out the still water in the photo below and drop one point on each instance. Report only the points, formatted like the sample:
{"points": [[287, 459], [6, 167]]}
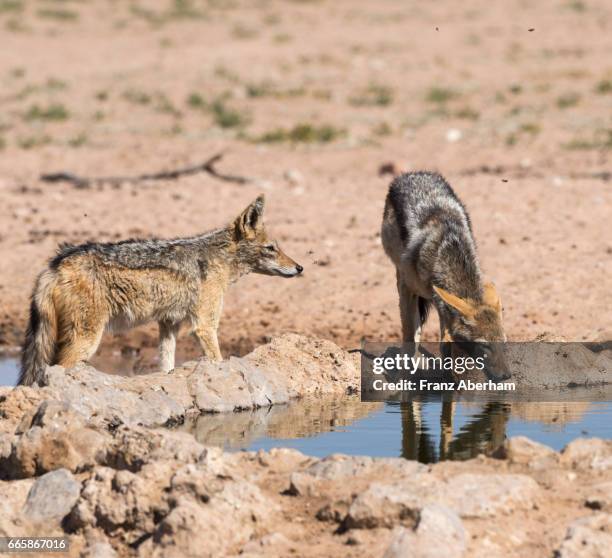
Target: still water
{"points": [[429, 430]]}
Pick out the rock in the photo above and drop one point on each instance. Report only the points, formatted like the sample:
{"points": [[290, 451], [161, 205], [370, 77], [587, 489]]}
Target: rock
{"points": [[275, 544], [453, 135], [13, 496], [385, 505], [469, 495], [294, 177], [57, 437], [121, 502], [439, 532], [220, 524], [52, 497], [482, 496], [588, 453], [600, 497], [588, 537], [290, 366], [309, 366], [234, 384], [523, 451], [99, 549]]}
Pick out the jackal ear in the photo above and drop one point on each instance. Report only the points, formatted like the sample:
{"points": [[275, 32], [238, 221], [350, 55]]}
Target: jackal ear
{"points": [[251, 219], [462, 306], [491, 298]]}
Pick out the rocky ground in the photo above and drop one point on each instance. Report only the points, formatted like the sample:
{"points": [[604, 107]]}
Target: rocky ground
{"points": [[85, 457]]}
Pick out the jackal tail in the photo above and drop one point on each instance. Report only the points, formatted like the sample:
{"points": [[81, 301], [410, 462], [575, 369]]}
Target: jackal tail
{"points": [[41, 335]]}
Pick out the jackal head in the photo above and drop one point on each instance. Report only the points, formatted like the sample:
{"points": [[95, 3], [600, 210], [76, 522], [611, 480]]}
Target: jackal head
{"points": [[475, 328], [254, 250]]}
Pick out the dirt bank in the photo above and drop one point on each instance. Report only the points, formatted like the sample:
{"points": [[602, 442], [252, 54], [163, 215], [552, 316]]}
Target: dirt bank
{"points": [[84, 457]]}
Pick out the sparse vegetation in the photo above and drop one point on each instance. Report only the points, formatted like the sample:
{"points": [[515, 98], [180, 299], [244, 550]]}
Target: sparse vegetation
{"points": [[137, 97], [530, 129], [10, 6], [240, 31], [282, 38], [268, 89], [164, 105], [577, 6], [227, 117], [302, 133], [382, 129], [196, 101], [58, 14], [441, 95], [223, 115], [52, 113], [373, 95], [179, 10], [568, 100], [78, 140], [31, 142], [602, 139], [467, 113], [604, 87]]}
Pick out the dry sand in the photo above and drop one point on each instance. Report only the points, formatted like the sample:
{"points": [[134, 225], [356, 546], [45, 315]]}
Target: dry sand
{"points": [[509, 100]]}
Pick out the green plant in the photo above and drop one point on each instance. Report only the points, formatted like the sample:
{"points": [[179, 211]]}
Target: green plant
{"points": [[373, 95], [137, 97], [568, 100], [302, 133], [441, 94], [58, 14], [195, 100], [467, 113], [53, 112], [602, 139], [604, 87], [78, 140], [227, 117], [30, 142]]}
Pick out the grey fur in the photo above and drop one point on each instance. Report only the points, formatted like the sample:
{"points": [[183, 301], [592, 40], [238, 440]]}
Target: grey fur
{"points": [[427, 233], [96, 286]]}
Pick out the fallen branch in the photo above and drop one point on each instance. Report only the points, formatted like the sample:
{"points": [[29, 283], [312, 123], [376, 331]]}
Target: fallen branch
{"points": [[86, 182]]}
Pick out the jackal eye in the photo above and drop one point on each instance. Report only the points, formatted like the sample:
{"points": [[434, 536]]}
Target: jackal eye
{"points": [[270, 248]]}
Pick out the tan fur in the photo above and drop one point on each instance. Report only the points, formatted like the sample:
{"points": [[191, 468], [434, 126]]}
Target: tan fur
{"points": [[91, 290]]}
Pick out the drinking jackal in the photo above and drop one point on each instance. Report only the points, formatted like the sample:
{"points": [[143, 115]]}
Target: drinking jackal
{"points": [[89, 288], [427, 233]]}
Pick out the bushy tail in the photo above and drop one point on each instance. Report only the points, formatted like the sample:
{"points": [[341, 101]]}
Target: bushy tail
{"points": [[40, 340]]}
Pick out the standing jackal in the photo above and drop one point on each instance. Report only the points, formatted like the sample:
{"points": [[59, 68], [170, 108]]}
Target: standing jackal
{"points": [[427, 233], [89, 288]]}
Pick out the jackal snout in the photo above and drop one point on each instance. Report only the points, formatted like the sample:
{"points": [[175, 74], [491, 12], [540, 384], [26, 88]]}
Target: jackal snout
{"points": [[260, 253], [476, 329]]}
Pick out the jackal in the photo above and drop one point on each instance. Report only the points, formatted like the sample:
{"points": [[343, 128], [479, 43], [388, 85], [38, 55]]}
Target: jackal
{"points": [[427, 234], [92, 287]]}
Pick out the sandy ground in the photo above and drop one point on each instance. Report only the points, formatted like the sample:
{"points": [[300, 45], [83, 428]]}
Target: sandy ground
{"points": [[509, 100]]}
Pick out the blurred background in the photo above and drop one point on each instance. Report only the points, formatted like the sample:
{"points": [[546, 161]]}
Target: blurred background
{"points": [[318, 103]]}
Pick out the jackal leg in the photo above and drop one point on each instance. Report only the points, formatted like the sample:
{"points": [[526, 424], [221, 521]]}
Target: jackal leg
{"points": [[445, 338], [207, 337], [77, 344], [409, 312], [207, 323], [168, 333]]}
